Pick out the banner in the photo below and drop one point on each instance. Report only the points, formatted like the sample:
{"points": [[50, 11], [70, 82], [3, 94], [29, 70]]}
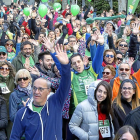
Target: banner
{"points": [[132, 5]]}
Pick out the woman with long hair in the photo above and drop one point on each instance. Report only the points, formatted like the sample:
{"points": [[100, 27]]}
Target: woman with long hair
{"points": [[91, 118], [126, 100]]}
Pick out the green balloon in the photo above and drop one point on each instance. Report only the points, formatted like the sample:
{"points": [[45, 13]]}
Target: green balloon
{"points": [[57, 5], [89, 0], [44, 0], [42, 10], [75, 9], [26, 11]]}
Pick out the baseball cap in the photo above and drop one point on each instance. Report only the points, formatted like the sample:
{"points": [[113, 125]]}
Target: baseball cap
{"points": [[3, 49]]}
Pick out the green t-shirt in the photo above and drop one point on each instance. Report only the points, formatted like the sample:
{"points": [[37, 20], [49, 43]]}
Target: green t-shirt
{"points": [[32, 63], [87, 53], [11, 55], [37, 109], [80, 83]]}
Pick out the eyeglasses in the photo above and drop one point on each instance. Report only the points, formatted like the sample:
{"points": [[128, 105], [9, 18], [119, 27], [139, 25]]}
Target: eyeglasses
{"points": [[107, 55], [23, 78], [25, 38], [123, 45], [129, 88], [25, 49], [126, 69], [72, 41], [40, 89], [121, 59], [2, 53], [107, 73], [2, 69], [9, 44]]}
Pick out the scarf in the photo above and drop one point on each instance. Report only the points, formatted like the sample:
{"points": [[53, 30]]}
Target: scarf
{"points": [[26, 90], [105, 63]]}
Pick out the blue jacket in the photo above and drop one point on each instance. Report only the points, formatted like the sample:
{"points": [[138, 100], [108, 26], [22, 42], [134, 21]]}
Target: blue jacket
{"points": [[48, 123], [15, 102]]}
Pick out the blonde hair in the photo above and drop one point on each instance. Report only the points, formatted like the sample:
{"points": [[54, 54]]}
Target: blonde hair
{"points": [[21, 73]]}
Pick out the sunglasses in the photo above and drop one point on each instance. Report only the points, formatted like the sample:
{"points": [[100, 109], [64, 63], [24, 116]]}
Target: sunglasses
{"points": [[123, 45], [25, 38], [2, 69], [107, 55], [23, 78], [9, 44], [107, 73], [2, 53], [121, 59], [126, 69]]}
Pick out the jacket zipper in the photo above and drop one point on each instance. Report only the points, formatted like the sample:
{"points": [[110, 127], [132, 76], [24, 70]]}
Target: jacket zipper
{"points": [[41, 124]]}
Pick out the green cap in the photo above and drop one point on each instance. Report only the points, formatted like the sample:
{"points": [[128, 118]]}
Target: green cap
{"points": [[3, 49]]}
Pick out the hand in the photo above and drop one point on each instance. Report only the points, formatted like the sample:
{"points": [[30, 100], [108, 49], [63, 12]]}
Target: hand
{"points": [[76, 29], [130, 61], [49, 45], [122, 21], [61, 54], [136, 29], [138, 38], [75, 47], [24, 103], [85, 60], [109, 32], [88, 28], [34, 70], [57, 9], [129, 17], [27, 63], [19, 39]]}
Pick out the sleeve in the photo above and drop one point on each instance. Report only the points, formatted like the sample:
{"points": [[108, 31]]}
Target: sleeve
{"points": [[86, 13], [82, 48], [12, 107], [64, 12], [64, 86], [3, 115], [37, 50], [55, 18], [54, 81], [18, 128], [34, 28], [70, 30], [132, 51], [78, 36], [3, 39], [98, 59], [93, 50], [119, 35], [111, 43], [75, 123]]}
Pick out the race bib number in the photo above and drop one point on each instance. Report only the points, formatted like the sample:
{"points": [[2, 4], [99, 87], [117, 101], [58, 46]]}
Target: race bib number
{"points": [[104, 128], [4, 88]]}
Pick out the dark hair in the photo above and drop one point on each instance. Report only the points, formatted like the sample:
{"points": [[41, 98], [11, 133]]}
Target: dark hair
{"points": [[105, 106], [118, 52], [25, 43], [74, 55], [124, 130], [41, 55], [42, 33]]}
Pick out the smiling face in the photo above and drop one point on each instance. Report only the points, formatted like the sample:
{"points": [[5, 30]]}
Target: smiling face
{"points": [[127, 91], [101, 94], [107, 74], [4, 70], [123, 47], [77, 64]]}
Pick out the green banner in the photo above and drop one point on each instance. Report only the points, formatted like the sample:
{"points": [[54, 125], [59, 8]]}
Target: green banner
{"points": [[132, 5]]}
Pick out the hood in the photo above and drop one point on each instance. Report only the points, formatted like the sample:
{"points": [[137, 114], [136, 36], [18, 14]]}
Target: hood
{"points": [[91, 91], [112, 24], [29, 105]]}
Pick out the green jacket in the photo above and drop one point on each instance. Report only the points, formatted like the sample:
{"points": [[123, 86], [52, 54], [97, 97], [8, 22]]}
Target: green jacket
{"points": [[17, 61]]}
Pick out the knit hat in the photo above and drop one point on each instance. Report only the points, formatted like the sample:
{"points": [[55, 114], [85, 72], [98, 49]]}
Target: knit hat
{"points": [[112, 25]]}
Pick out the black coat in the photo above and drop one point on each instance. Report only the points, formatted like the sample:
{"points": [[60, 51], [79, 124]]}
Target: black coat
{"points": [[118, 114], [133, 119], [3, 119]]}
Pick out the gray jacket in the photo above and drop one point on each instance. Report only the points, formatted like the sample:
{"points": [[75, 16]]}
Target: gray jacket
{"points": [[84, 122]]}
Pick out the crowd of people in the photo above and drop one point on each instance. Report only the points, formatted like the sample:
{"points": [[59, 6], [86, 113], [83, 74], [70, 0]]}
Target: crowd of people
{"points": [[69, 77]]}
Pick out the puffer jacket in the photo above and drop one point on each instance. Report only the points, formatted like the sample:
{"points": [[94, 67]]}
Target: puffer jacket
{"points": [[84, 122]]}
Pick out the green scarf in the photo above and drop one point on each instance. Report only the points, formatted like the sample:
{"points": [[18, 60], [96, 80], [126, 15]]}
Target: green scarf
{"points": [[32, 63]]}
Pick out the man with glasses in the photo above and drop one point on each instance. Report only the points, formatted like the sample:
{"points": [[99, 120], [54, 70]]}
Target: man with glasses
{"points": [[123, 48], [3, 53], [25, 58], [41, 119], [124, 72]]}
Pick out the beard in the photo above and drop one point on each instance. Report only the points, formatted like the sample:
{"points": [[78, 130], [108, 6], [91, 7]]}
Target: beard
{"points": [[123, 76]]}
